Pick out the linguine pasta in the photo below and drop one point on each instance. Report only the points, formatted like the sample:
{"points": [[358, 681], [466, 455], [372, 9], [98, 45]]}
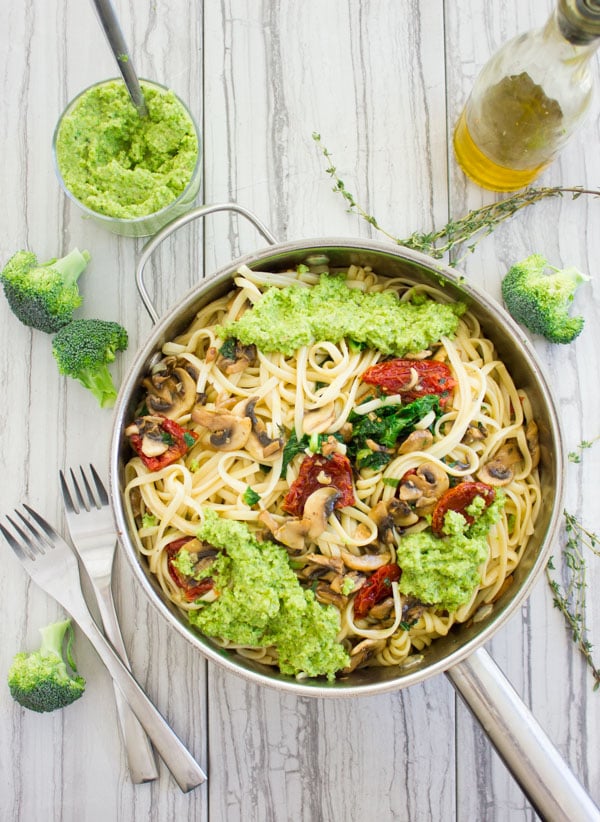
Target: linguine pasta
{"points": [[482, 432]]}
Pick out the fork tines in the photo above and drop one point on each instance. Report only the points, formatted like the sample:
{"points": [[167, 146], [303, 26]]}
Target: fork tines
{"points": [[74, 499], [37, 539]]}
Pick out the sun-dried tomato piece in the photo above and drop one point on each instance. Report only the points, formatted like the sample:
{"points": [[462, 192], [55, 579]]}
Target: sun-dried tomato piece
{"points": [[398, 377], [458, 499], [317, 471]]}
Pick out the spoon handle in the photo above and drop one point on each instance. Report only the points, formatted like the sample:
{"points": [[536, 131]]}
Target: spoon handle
{"points": [[114, 35]]}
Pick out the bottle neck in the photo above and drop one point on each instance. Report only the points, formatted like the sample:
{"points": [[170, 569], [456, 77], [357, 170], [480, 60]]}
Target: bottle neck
{"points": [[578, 21], [574, 50]]}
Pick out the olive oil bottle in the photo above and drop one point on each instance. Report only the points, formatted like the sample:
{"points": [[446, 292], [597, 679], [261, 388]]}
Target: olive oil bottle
{"points": [[529, 99]]}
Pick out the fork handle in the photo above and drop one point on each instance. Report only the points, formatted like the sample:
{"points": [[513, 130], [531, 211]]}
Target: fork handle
{"points": [[184, 768], [140, 757]]}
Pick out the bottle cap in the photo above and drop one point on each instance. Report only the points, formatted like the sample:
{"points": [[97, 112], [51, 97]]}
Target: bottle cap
{"points": [[579, 20]]}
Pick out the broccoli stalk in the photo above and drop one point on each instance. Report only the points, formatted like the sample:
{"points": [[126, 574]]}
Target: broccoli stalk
{"points": [[83, 349], [541, 301], [44, 295], [40, 680]]}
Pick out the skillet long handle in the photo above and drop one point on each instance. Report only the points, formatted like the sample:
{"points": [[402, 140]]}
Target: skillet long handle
{"points": [[524, 747]]}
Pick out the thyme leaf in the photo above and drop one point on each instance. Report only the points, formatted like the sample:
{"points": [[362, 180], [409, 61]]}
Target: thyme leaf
{"points": [[576, 455], [473, 227], [570, 597]]}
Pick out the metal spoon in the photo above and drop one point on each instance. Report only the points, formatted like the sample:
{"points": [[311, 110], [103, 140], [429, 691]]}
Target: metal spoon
{"points": [[114, 35]]}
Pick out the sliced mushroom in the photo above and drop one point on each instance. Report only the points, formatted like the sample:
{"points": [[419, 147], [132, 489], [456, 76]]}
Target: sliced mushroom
{"points": [[229, 432], [498, 471], [327, 596], [259, 445], [294, 532], [380, 514], [317, 573], [408, 490], [171, 387], [424, 487], [365, 562], [533, 442], [432, 479], [318, 508], [459, 465], [331, 563], [361, 653], [383, 609], [202, 554], [355, 577], [312, 572], [425, 505], [389, 514], [412, 608], [149, 428], [243, 356], [475, 433], [153, 447], [401, 514], [419, 440], [189, 367]]}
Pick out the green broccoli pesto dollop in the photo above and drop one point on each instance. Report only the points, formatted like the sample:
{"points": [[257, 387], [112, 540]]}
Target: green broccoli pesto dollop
{"points": [[120, 164], [285, 319], [261, 603], [444, 571]]}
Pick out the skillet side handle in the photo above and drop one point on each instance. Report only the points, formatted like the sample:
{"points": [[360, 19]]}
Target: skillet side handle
{"points": [[524, 747], [174, 225]]}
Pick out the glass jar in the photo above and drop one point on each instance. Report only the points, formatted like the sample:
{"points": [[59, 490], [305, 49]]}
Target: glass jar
{"points": [[529, 99], [105, 149]]}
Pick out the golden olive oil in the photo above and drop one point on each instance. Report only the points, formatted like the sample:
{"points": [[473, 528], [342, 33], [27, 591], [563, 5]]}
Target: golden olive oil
{"points": [[484, 171]]}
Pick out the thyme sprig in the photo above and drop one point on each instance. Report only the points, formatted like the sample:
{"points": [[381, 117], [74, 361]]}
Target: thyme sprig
{"points": [[576, 455], [570, 598], [473, 227]]}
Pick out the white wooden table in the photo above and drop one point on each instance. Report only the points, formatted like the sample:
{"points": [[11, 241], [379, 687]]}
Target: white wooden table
{"points": [[383, 83]]}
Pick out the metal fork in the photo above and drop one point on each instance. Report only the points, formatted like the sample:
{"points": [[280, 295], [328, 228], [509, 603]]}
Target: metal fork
{"points": [[51, 563], [94, 538]]}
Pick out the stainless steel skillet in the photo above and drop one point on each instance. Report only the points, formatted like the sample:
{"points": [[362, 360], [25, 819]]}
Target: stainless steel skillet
{"points": [[527, 751]]}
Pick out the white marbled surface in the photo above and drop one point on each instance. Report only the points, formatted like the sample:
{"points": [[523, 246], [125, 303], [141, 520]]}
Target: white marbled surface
{"points": [[383, 82]]}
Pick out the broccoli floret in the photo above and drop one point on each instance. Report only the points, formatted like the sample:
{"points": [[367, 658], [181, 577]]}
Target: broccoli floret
{"points": [[83, 348], [44, 295], [540, 301], [40, 680]]}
